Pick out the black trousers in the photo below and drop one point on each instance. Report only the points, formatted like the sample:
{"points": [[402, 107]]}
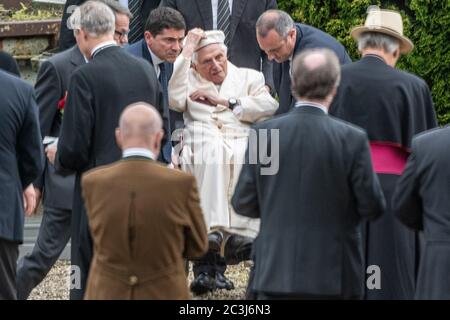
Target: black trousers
{"points": [[54, 233], [9, 252]]}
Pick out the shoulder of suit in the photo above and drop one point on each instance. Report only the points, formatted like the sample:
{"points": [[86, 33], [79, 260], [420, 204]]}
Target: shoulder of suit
{"points": [[16, 81], [424, 138], [345, 125], [100, 171]]}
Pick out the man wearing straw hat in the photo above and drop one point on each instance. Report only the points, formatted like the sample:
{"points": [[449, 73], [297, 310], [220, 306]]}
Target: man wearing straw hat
{"points": [[392, 106]]}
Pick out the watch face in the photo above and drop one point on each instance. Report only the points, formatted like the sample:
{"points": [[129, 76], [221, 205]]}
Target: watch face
{"points": [[233, 101]]}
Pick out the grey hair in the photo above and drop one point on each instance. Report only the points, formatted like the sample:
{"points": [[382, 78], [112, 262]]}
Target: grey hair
{"points": [[117, 8], [376, 40], [317, 82], [277, 20], [194, 58], [95, 18]]}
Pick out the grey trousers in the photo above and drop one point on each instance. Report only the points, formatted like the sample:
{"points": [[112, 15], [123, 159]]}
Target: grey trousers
{"points": [[9, 252], [54, 233]]}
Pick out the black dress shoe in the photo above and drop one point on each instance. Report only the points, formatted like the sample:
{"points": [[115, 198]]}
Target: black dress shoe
{"points": [[215, 239], [237, 248], [203, 283], [223, 282]]}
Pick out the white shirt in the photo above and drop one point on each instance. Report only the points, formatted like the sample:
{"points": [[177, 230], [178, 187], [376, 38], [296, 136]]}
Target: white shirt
{"points": [[311, 104], [215, 5], [156, 61], [138, 152], [103, 45]]}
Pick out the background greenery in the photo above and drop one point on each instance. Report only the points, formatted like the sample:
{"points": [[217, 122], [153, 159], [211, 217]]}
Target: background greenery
{"points": [[427, 24]]}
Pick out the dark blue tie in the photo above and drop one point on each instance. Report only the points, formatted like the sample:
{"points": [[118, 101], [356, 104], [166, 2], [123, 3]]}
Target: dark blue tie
{"points": [[164, 80]]}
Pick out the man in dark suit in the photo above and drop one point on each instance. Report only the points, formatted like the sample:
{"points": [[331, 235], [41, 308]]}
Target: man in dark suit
{"points": [[162, 43], [98, 92], [51, 88], [421, 201], [309, 244], [21, 159], [282, 39], [392, 106], [67, 40], [160, 206], [237, 20], [7, 63]]}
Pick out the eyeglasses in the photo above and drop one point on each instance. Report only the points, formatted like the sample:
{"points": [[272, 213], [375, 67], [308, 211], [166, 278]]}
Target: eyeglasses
{"points": [[121, 34]]}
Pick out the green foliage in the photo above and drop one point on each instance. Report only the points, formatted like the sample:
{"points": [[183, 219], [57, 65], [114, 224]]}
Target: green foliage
{"points": [[28, 13], [426, 23]]}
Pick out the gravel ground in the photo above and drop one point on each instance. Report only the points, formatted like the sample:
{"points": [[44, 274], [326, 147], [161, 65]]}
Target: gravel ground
{"points": [[56, 285]]}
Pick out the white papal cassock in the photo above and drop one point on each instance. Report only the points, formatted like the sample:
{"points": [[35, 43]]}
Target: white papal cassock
{"points": [[215, 138]]}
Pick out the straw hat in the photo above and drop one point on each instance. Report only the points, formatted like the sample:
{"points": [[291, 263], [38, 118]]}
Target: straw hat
{"points": [[386, 22]]}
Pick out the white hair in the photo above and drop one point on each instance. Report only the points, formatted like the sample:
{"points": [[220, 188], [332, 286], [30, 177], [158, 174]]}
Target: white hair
{"points": [[195, 55], [376, 40], [95, 18]]}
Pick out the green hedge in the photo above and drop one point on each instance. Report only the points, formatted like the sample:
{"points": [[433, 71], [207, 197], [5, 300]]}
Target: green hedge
{"points": [[427, 24]]}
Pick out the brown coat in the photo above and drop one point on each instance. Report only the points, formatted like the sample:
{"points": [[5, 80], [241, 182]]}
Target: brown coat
{"points": [[144, 218]]}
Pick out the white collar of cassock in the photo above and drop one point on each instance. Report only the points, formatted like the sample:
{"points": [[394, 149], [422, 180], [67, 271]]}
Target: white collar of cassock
{"points": [[300, 103], [138, 152]]}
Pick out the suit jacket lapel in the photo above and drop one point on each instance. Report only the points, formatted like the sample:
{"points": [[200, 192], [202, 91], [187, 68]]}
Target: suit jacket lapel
{"points": [[205, 9], [236, 14], [145, 53]]}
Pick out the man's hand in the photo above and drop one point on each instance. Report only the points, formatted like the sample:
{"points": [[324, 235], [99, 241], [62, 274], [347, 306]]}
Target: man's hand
{"points": [[50, 151], [38, 199], [29, 200], [210, 99], [193, 38]]}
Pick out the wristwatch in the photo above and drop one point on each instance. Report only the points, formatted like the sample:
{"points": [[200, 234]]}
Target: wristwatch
{"points": [[232, 103]]}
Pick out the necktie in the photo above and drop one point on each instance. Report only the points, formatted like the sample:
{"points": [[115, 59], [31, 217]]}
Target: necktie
{"points": [[136, 30], [164, 81], [223, 19]]}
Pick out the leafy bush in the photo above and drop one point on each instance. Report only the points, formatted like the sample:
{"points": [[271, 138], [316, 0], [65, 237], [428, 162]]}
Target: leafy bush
{"points": [[427, 24]]}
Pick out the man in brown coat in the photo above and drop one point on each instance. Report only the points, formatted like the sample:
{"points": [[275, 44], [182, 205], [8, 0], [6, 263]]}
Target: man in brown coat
{"points": [[144, 218]]}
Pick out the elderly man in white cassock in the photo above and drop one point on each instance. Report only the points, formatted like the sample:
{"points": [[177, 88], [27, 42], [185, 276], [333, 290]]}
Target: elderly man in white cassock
{"points": [[219, 102]]}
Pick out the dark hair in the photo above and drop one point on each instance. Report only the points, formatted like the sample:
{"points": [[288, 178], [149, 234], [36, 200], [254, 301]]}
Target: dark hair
{"points": [[315, 82], [117, 8], [164, 18]]}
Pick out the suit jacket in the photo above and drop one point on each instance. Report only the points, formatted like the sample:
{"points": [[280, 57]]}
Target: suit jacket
{"points": [[140, 49], [308, 37], [421, 202], [66, 38], [243, 50], [21, 152], [98, 93], [310, 241], [7, 63], [142, 229], [51, 87]]}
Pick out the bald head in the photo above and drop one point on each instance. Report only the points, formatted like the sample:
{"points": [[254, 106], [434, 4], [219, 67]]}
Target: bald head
{"points": [[140, 126], [316, 74]]}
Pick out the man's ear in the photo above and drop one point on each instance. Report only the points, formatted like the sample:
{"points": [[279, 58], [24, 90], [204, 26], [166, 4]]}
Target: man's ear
{"points": [[118, 138]]}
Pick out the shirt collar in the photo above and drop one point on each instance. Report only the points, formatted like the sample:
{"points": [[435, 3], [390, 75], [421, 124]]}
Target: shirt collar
{"points": [[301, 103], [103, 45], [156, 60], [138, 152]]}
